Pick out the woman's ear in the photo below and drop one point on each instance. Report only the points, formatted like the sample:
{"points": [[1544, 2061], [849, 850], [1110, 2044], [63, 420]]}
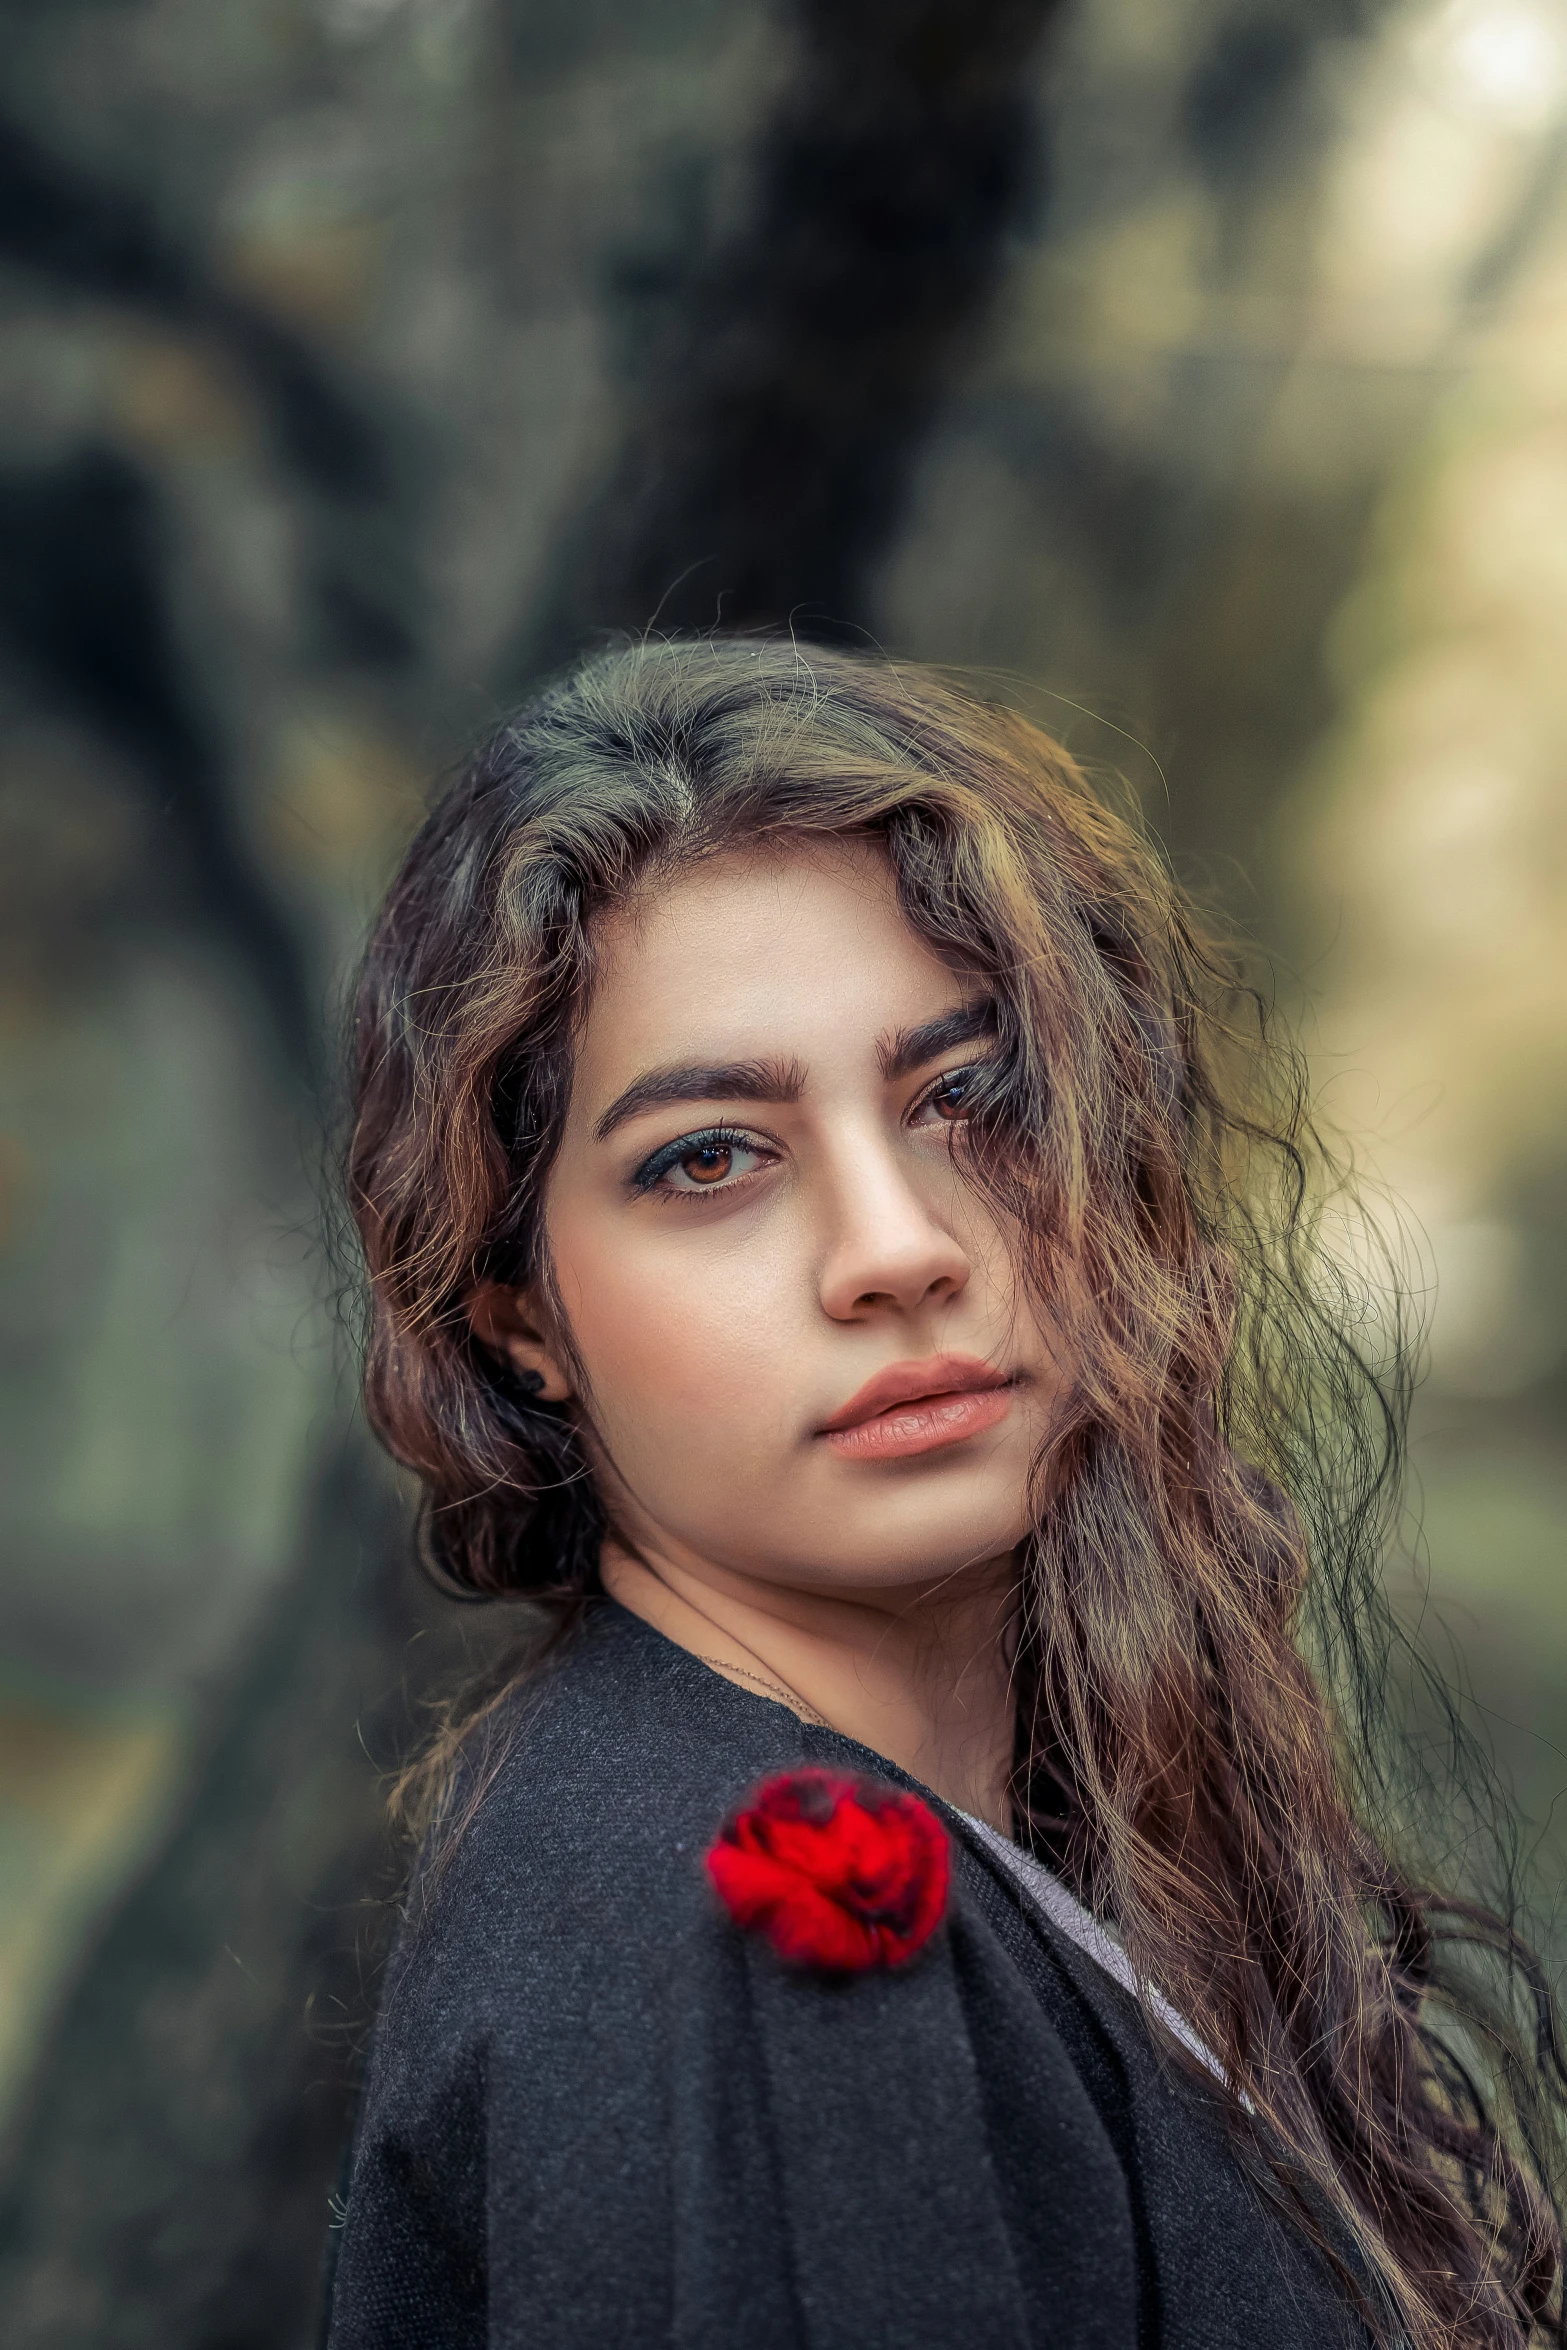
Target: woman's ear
{"points": [[511, 1323]]}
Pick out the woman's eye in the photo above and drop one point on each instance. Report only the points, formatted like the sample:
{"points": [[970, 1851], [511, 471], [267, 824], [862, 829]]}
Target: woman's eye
{"points": [[701, 1162], [952, 1098], [709, 1163]]}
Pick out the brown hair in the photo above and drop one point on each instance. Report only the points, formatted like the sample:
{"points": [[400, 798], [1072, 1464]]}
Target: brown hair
{"points": [[1220, 1489]]}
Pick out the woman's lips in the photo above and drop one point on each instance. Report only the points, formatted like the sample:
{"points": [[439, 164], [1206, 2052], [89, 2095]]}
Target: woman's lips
{"points": [[920, 1427], [916, 1407]]}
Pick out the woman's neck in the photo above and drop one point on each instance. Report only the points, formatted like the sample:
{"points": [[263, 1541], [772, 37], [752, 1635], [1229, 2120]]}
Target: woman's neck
{"points": [[919, 1676]]}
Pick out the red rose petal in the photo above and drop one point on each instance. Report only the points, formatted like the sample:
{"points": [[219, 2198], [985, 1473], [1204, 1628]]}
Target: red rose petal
{"points": [[839, 1873]]}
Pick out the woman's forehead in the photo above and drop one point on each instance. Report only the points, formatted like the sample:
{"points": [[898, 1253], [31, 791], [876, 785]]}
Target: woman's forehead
{"points": [[790, 951]]}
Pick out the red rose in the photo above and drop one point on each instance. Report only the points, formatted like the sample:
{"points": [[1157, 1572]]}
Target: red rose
{"points": [[838, 1873]]}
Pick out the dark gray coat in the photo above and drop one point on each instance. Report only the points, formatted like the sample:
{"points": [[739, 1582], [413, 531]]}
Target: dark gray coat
{"points": [[601, 2118]]}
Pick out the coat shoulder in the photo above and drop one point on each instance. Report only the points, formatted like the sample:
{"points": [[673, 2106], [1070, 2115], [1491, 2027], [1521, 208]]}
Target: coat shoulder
{"points": [[513, 2175], [606, 1776]]}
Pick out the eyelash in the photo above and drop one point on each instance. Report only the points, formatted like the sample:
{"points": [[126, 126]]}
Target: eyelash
{"points": [[652, 1171], [649, 1176]]}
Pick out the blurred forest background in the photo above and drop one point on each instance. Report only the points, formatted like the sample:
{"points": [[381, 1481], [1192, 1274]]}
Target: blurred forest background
{"points": [[1199, 367]]}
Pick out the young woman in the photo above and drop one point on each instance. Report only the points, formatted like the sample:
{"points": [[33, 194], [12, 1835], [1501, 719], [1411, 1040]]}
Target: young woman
{"points": [[832, 1251]]}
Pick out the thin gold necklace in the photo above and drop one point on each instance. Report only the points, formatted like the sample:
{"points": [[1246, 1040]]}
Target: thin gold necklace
{"points": [[775, 1688], [791, 1697]]}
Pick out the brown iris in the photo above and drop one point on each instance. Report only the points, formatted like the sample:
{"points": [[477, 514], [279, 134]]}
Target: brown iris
{"points": [[710, 1162]]}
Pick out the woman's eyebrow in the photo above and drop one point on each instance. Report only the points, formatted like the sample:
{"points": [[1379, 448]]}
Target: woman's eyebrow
{"points": [[733, 1081], [911, 1048], [784, 1081]]}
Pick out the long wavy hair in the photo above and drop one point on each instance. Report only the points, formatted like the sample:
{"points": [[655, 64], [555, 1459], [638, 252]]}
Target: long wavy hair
{"points": [[1203, 1646]]}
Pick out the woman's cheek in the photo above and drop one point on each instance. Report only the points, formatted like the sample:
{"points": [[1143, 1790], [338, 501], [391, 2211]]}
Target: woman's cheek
{"points": [[682, 1360]]}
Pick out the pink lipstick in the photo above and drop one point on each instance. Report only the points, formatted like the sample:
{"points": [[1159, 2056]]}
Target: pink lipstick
{"points": [[912, 1408]]}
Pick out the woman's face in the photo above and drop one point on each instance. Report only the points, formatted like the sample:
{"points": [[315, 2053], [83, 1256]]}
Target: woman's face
{"points": [[806, 1354]]}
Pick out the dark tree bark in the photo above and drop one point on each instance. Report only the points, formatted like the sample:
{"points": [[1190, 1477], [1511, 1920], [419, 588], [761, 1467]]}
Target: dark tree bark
{"points": [[778, 416]]}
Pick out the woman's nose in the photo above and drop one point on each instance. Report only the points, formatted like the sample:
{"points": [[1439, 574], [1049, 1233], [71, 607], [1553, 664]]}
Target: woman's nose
{"points": [[888, 1248]]}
